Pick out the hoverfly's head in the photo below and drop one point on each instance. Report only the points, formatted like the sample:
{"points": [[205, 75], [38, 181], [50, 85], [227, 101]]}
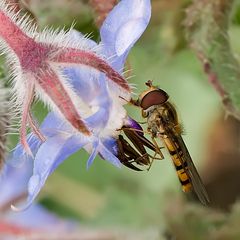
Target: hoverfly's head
{"points": [[152, 96]]}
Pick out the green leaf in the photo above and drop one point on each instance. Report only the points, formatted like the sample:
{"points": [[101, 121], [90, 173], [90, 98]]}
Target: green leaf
{"points": [[207, 26]]}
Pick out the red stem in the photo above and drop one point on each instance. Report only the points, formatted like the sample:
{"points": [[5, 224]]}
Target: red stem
{"points": [[74, 56], [15, 38]]}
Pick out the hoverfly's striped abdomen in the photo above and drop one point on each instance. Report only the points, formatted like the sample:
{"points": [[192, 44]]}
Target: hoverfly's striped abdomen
{"points": [[179, 163]]}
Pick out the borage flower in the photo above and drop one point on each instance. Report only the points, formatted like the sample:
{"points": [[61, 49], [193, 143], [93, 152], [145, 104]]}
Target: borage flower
{"points": [[38, 60], [105, 113], [36, 220]]}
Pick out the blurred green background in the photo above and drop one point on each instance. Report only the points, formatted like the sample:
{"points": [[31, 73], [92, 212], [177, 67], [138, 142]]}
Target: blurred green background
{"points": [[105, 196]]}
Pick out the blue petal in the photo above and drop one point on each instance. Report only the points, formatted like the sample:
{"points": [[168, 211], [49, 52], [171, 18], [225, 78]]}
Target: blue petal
{"points": [[50, 127], [18, 156], [13, 182], [111, 144], [87, 83], [98, 120], [93, 154], [39, 218], [107, 150], [108, 155], [49, 156], [84, 82], [53, 124], [78, 36], [123, 27]]}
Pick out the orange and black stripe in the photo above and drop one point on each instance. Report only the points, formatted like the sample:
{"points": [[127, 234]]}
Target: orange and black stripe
{"points": [[180, 164]]}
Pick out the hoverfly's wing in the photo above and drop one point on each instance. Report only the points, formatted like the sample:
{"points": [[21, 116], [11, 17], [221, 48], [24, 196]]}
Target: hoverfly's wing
{"points": [[127, 154], [138, 140], [188, 165], [198, 185]]}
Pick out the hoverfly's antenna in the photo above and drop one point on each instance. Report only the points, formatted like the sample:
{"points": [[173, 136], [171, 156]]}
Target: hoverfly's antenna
{"points": [[131, 101], [149, 83]]}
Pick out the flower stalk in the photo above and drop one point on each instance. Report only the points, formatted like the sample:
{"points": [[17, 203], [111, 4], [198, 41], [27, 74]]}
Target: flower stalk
{"points": [[38, 60], [207, 24], [4, 123]]}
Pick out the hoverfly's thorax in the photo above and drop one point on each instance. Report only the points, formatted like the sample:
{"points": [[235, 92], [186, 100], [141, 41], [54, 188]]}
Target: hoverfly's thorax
{"points": [[169, 114]]}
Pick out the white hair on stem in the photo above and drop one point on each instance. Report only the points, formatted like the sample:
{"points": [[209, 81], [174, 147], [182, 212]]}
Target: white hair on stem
{"points": [[5, 118], [37, 59]]}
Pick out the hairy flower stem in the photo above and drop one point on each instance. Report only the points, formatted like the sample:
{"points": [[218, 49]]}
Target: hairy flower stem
{"points": [[16, 39], [40, 70], [4, 123]]}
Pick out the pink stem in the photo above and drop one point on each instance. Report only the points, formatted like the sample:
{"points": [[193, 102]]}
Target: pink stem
{"points": [[74, 56], [16, 39], [26, 108], [11, 229], [49, 81], [35, 129], [212, 76]]}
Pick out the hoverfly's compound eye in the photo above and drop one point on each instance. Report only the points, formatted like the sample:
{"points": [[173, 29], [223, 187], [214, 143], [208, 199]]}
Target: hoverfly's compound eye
{"points": [[154, 97]]}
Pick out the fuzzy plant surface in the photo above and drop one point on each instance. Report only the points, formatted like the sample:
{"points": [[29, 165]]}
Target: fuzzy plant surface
{"points": [[87, 93], [37, 61], [207, 25]]}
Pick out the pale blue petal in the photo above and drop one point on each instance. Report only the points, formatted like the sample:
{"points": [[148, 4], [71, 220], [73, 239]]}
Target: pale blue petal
{"points": [[52, 121], [90, 86], [93, 154], [84, 81], [13, 181], [39, 218], [98, 120], [108, 155], [111, 144], [53, 124], [78, 36], [103, 98], [18, 155], [50, 127], [123, 27], [50, 154]]}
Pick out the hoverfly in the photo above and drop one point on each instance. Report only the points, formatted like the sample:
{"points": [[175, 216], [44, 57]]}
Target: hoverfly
{"points": [[163, 123]]}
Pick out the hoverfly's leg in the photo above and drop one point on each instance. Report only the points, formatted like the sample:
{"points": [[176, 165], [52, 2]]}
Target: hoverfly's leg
{"points": [[158, 149], [142, 122], [139, 142], [127, 154], [152, 159], [142, 159], [133, 129], [147, 143]]}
